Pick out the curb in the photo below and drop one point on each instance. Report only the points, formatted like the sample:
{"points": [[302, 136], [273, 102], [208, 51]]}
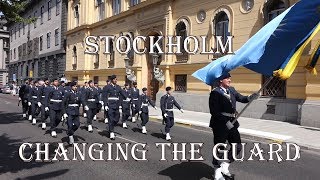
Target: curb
{"points": [[249, 137]]}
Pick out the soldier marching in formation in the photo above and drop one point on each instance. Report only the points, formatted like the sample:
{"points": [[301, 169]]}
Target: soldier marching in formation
{"points": [[135, 101], [126, 105], [144, 110], [91, 99]]}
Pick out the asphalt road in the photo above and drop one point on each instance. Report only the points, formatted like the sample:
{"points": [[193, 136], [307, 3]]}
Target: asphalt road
{"points": [[14, 131]]}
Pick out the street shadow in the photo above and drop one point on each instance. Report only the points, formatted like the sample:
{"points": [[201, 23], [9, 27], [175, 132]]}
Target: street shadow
{"points": [[8, 118], [9, 156], [76, 139], [158, 135], [104, 133], [135, 129], [46, 175], [188, 170]]}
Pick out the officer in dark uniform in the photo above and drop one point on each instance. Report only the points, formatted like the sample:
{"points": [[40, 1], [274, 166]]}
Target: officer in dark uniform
{"points": [[54, 104], [125, 104], [222, 105], [135, 101], [31, 84], [111, 101], [23, 97], [144, 102], [100, 104], [34, 101], [44, 91], [90, 102], [83, 92], [105, 111], [71, 105], [167, 104]]}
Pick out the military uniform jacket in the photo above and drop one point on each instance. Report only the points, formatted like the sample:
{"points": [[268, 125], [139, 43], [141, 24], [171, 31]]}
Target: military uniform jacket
{"points": [[71, 103], [144, 102], [135, 96], [125, 102], [111, 96], [24, 92], [91, 98], [44, 91], [54, 98], [166, 103], [221, 101], [34, 95]]}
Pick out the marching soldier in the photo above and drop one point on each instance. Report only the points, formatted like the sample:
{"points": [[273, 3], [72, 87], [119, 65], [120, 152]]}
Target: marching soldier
{"points": [[111, 101], [100, 104], [222, 105], [125, 104], [135, 101], [105, 111], [44, 91], [23, 97], [71, 104], [31, 84], [167, 104], [83, 92], [144, 101], [53, 104], [34, 101], [90, 103]]}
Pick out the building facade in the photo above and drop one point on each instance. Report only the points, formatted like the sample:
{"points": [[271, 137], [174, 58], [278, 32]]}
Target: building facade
{"points": [[296, 100], [37, 49], [4, 51]]}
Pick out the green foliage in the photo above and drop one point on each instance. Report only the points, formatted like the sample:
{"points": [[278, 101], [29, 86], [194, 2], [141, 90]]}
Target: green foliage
{"points": [[12, 9]]}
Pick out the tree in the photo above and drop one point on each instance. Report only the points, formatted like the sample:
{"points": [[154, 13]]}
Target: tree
{"points": [[12, 9]]}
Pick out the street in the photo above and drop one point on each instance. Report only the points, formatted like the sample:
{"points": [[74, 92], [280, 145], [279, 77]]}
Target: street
{"points": [[14, 131]]}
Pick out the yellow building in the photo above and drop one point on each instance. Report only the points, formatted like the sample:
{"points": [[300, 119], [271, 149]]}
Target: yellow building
{"points": [[295, 100]]}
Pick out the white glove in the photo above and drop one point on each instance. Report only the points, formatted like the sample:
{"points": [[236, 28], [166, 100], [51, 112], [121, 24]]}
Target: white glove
{"points": [[155, 108], [120, 107], [182, 110], [120, 110], [65, 116], [133, 105], [165, 115], [39, 104], [229, 125], [128, 99], [29, 103], [102, 108], [86, 108], [19, 99], [46, 109], [140, 112], [106, 108], [101, 102]]}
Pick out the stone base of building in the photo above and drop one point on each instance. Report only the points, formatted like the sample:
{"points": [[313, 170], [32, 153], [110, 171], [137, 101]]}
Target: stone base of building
{"points": [[296, 111]]}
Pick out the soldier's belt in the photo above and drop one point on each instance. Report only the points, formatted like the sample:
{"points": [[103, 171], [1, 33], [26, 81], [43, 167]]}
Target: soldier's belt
{"points": [[229, 114], [113, 98], [126, 100], [73, 105], [145, 104], [43, 96], [35, 97], [54, 100], [91, 100], [169, 109], [135, 99]]}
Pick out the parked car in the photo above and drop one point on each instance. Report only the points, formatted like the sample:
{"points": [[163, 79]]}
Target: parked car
{"points": [[6, 90]]}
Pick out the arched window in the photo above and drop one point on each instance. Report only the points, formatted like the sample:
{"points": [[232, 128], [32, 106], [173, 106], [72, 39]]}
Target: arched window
{"points": [[75, 57], [111, 59], [274, 8], [182, 30], [221, 26]]}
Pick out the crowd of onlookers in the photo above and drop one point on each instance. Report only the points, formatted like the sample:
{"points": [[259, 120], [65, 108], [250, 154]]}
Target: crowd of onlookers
{"points": [[11, 88]]}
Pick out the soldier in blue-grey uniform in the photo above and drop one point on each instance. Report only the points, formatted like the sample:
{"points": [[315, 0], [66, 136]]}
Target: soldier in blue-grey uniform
{"points": [[71, 104], [44, 91], [34, 101], [23, 97], [30, 86], [82, 91], [90, 103], [167, 102], [100, 104], [105, 111], [222, 105], [135, 94], [53, 104], [125, 105], [111, 101], [144, 101]]}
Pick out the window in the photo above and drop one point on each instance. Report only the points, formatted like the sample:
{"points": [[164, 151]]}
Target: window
{"points": [[100, 5], [14, 53], [181, 83], [23, 28], [15, 33], [222, 26], [76, 15], [11, 35], [96, 62], [35, 22], [96, 79], [49, 9], [116, 7], [29, 24], [181, 30], [41, 15], [41, 43], [134, 2], [75, 57], [48, 39], [19, 29], [111, 60], [56, 37], [58, 7]]}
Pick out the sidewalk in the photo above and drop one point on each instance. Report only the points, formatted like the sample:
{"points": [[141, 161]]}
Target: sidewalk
{"points": [[306, 137]]}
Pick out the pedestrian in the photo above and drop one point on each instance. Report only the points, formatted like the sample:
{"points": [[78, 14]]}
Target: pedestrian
{"points": [[144, 102], [222, 105], [126, 104], [135, 94], [111, 101], [71, 104], [167, 102], [90, 103]]}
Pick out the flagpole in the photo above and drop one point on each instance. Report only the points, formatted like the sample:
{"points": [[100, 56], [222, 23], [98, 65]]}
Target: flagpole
{"points": [[248, 104]]}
